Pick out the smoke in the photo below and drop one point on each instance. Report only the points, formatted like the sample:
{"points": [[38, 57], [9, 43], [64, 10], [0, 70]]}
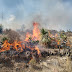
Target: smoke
{"points": [[11, 18], [50, 14]]}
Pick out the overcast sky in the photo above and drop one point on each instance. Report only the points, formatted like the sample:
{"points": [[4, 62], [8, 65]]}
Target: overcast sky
{"points": [[51, 14]]}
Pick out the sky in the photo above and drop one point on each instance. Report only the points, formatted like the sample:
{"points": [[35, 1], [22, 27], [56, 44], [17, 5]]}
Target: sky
{"points": [[50, 14]]}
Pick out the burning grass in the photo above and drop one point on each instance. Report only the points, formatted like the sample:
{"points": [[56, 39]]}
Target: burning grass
{"points": [[22, 50], [35, 47]]}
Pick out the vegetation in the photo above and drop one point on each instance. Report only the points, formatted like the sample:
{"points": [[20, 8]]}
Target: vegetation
{"points": [[3, 39], [1, 29], [63, 36], [45, 39], [43, 31], [12, 35]]}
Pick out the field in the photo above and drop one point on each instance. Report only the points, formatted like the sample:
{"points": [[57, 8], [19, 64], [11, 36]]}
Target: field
{"points": [[35, 51]]}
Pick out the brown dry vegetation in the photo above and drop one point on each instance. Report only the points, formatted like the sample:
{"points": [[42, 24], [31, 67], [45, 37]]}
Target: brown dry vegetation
{"points": [[48, 64], [12, 35]]}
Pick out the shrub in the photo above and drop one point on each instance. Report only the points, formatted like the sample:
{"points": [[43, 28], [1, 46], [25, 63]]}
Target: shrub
{"points": [[45, 39], [3, 39], [12, 35]]}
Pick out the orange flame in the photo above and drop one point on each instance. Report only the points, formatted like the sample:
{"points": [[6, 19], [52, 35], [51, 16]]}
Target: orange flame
{"points": [[18, 44], [27, 36], [50, 35], [6, 46], [36, 31], [36, 48], [56, 35]]}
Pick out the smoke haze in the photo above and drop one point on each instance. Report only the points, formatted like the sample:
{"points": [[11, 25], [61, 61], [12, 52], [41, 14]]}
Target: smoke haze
{"points": [[51, 14]]}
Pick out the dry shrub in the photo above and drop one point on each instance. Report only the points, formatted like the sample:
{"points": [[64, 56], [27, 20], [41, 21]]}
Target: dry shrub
{"points": [[12, 35]]}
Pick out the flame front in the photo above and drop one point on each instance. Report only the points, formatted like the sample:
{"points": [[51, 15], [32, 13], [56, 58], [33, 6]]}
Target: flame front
{"points": [[17, 45], [36, 48], [36, 32], [28, 35], [6, 46]]}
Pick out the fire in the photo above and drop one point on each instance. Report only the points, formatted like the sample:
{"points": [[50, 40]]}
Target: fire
{"points": [[36, 32], [50, 35], [58, 42], [18, 46], [6, 46], [56, 35], [28, 35], [36, 48]]}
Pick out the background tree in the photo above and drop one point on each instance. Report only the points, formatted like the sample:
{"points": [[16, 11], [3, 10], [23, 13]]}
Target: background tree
{"points": [[1, 28]]}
